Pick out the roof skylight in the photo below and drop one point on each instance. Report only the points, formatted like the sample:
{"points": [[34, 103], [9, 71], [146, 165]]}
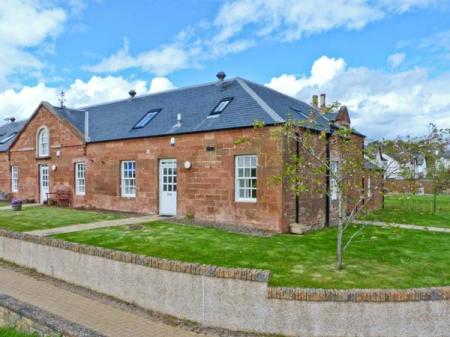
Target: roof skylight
{"points": [[7, 139], [221, 106], [146, 119]]}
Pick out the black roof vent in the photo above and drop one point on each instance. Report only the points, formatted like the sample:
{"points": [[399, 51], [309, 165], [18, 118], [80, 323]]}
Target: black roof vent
{"points": [[221, 76], [132, 93], [10, 119]]}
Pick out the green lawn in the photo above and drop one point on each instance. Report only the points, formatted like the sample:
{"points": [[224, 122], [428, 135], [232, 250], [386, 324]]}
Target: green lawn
{"points": [[378, 258], [4, 203], [8, 332], [412, 209], [34, 218]]}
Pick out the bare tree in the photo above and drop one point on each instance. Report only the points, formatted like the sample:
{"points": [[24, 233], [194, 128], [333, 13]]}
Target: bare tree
{"points": [[307, 169]]}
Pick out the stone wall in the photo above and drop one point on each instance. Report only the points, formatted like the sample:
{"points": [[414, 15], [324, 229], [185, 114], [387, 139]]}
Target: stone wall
{"points": [[206, 191], [236, 299], [33, 320], [408, 186]]}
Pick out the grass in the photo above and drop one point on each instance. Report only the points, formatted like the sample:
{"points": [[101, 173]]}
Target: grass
{"points": [[413, 209], [9, 332], [4, 203], [378, 258], [34, 218]]}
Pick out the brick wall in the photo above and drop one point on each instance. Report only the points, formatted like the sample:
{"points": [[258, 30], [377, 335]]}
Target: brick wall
{"points": [[205, 191], [5, 182], [376, 186], [408, 186]]}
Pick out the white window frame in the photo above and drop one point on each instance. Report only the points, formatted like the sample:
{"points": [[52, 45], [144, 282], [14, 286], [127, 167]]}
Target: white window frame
{"points": [[80, 178], [334, 166], [128, 178], [369, 187], [14, 179], [43, 143], [245, 164]]}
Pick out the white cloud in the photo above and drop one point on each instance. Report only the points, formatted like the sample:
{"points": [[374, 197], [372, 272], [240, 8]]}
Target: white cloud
{"points": [[25, 24], [396, 59], [22, 103], [160, 62], [161, 84], [242, 24], [382, 104], [323, 70]]}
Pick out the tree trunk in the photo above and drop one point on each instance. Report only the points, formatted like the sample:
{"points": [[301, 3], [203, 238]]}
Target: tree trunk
{"points": [[434, 198], [339, 253]]}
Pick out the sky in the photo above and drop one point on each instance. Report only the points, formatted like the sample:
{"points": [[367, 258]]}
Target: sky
{"points": [[387, 60]]}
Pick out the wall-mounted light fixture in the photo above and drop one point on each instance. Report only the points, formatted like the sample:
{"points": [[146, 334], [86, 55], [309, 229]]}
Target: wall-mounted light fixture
{"points": [[172, 141], [187, 164]]}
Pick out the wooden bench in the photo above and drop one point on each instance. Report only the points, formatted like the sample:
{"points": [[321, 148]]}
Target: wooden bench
{"points": [[62, 197]]}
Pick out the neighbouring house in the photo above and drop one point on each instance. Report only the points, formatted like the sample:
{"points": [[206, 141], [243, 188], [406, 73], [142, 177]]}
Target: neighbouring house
{"points": [[177, 153], [8, 174], [444, 160], [373, 183], [394, 169]]}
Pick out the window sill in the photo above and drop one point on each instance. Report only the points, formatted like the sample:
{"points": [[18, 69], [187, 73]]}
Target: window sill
{"points": [[128, 196], [246, 201]]}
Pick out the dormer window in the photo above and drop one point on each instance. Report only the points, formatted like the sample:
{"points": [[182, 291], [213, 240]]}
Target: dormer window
{"points": [[43, 143], [221, 106]]}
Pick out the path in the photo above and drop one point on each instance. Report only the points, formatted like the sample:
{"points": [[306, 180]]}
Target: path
{"points": [[90, 312], [95, 225], [5, 208], [404, 226]]}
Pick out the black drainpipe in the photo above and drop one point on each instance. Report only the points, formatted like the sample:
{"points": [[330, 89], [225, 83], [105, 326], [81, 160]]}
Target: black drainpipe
{"points": [[297, 199], [327, 197]]}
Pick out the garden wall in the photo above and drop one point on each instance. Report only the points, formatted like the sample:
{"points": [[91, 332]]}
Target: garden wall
{"points": [[33, 320], [236, 299]]}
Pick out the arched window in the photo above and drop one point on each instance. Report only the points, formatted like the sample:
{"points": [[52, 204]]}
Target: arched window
{"points": [[43, 143]]}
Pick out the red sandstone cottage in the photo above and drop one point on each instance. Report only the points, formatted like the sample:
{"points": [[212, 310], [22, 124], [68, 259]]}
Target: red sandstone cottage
{"points": [[172, 153]]}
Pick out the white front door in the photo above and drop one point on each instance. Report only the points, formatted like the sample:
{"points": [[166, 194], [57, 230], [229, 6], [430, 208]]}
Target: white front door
{"points": [[43, 182], [168, 187]]}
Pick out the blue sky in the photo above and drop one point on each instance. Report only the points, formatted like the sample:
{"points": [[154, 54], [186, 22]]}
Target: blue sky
{"points": [[387, 60]]}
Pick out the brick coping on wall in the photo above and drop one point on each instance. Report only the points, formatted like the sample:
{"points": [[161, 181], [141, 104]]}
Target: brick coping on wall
{"points": [[255, 275], [44, 319]]}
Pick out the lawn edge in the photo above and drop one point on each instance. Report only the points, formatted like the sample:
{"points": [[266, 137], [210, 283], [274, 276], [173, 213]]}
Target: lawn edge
{"points": [[245, 274]]}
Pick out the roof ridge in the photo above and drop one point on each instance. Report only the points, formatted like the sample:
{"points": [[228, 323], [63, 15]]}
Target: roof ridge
{"points": [[285, 95], [155, 93], [276, 117]]}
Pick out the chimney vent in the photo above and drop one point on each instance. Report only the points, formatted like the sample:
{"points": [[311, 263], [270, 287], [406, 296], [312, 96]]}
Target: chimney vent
{"points": [[132, 93], [178, 120], [221, 76], [322, 100], [315, 101]]}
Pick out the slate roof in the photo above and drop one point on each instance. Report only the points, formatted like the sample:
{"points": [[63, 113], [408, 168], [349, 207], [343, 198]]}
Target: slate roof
{"points": [[10, 129], [251, 101], [369, 164]]}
